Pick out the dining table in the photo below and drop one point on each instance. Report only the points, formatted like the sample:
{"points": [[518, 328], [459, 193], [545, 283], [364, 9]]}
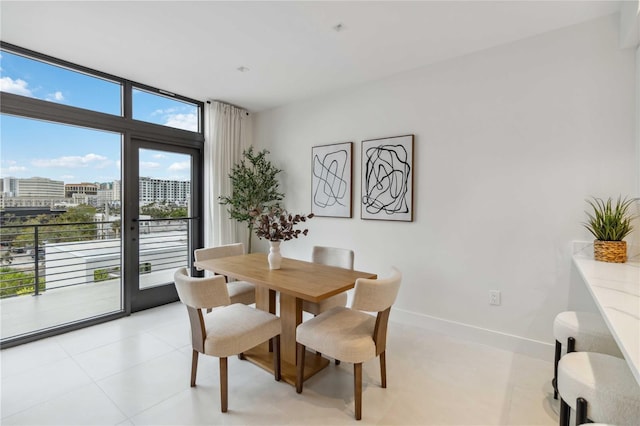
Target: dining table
{"points": [[294, 282]]}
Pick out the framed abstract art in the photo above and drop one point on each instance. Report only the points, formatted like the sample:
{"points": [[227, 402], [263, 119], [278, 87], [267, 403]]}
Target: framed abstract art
{"points": [[387, 179], [331, 177]]}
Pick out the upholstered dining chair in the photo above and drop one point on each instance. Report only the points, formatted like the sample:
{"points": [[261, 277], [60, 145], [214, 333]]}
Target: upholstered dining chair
{"points": [[230, 329], [339, 257], [239, 291], [351, 334]]}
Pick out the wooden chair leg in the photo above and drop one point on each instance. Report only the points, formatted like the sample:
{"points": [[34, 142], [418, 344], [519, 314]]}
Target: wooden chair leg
{"points": [[301, 350], [357, 385], [223, 384], [194, 367], [554, 382], [383, 369], [564, 413], [276, 358], [581, 411]]}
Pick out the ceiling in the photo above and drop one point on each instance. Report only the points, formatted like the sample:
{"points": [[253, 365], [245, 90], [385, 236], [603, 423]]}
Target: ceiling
{"points": [[291, 49]]}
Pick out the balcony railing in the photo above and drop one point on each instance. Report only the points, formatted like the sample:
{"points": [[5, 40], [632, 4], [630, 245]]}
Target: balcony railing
{"points": [[78, 268], [85, 253]]}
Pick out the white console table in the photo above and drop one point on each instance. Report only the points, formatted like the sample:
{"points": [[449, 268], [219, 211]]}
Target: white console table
{"points": [[615, 287]]}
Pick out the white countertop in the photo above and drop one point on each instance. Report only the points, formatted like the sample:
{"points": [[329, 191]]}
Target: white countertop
{"points": [[615, 287]]}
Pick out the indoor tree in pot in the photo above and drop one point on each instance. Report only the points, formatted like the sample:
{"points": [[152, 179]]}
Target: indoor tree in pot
{"points": [[255, 188], [276, 224], [609, 223]]}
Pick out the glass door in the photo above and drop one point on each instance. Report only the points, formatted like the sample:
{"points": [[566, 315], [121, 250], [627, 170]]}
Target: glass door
{"points": [[162, 227]]}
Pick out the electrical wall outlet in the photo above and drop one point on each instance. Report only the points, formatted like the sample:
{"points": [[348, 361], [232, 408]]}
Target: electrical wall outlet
{"points": [[494, 297]]}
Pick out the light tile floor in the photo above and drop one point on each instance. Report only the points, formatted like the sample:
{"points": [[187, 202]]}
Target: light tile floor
{"points": [[135, 371]]}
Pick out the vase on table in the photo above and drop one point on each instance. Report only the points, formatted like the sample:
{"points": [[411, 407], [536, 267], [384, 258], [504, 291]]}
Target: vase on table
{"points": [[274, 257]]}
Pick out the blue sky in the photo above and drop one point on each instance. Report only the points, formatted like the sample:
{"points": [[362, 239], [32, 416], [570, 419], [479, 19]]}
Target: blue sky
{"points": [[34, 148]]}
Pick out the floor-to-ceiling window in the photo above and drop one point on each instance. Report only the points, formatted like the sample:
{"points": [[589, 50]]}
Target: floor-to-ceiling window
{"points": [[100, 189]]}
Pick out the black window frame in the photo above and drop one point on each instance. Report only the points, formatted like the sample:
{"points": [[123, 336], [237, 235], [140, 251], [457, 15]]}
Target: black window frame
{"points": [[28, 107]]}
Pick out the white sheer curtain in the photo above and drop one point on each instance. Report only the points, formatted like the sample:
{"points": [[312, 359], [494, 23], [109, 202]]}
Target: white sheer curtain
{"points": [[227, 134]]}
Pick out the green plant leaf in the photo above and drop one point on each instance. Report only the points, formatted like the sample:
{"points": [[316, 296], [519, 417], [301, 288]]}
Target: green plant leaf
{"points": [[608, 222]]}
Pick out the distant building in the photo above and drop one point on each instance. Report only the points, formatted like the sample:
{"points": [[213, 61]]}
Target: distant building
{"points": [[33, 187], [161, 190], [9, 187], [116, 188], [90, 189]]}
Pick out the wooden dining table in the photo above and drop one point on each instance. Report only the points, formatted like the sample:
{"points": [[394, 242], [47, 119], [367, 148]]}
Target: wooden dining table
{"points": [[295, 281]]}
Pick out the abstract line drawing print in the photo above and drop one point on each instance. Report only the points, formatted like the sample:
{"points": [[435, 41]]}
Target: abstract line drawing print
{"points": [[331, 180], [387, 174]]}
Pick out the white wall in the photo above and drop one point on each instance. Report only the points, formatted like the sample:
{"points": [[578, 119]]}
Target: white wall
{"points": [[508, 144]]}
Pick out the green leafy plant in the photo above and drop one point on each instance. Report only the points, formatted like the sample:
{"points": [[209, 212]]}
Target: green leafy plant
{"points": [[254, 188], [609, 222], [100, 275], [277, 225]]}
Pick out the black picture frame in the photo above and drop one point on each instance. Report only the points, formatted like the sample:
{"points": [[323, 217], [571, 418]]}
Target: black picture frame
{"points": [[331, 180], [387, 179]]}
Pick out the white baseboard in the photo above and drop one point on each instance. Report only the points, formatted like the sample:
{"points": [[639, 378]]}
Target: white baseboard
{"points": [[509, 342]]}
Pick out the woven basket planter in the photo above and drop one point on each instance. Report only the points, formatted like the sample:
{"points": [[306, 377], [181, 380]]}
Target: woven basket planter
{"points": [[610, 251]]}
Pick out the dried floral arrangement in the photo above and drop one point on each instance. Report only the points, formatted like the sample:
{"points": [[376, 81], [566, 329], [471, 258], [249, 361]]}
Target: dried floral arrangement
{"points": [[276, 224]]}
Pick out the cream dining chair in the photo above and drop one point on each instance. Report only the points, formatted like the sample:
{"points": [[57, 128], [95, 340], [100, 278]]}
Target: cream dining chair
{"points": [[331, 256], [230, 329], [351, 334], [239, 291]]}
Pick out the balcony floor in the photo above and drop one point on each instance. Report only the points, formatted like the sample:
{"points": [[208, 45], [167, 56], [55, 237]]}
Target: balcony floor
{"points": [[135, 371], [24, 314]]}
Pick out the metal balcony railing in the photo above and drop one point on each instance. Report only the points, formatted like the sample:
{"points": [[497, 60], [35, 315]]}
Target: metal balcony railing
{"points": [[87, 253]]}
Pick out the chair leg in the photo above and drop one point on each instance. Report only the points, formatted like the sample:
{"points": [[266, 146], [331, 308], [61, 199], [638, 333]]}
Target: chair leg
{"points": [[241, 356], [554, 382], [383, 369], [194, 367], [300, 367], [357, 385], [276, 358], [581, 411], [564, 413], [571, 345], [223, 384]]}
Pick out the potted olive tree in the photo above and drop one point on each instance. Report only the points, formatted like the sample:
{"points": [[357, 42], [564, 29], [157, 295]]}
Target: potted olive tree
{"points": [[609, 223], [255, 188]]}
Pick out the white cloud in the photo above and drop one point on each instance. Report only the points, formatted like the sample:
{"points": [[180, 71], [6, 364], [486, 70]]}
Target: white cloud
{"points": [[149, 165], [74, 161], [182, 165], [55, 97], [166, 111], [12, 170], [183, 121], [159, 156], [17, 87]]}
